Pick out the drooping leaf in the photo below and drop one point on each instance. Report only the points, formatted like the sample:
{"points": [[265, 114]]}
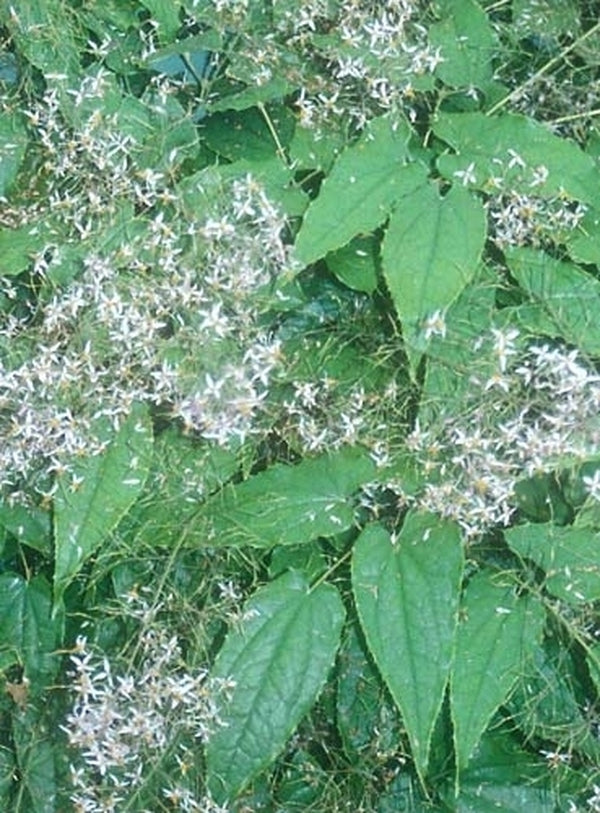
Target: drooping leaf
{"points": [[358, 194], [29, 633], [287, 505], [431, 252], [566, 296], [466, 41], [279, 660], [494, 639], [495, 145], [569, 557], [87, 509], [407, 593]]}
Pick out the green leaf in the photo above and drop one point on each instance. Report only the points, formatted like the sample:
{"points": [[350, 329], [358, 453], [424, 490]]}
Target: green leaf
{"points": [[356, 264], [489, 143], [407, 593], [246, 134], [569, 557], [430, 253], [35, 747], [365, 716], [18, 247], [279, 660], [29, 524], [29, 634], [583, 243], [288, 505], [13, 143], [466, 41], [548, 702], [494, 639], [357, 196], [107, 485], [450, 358], [182, 472], [502, 777], [566, 295], [166, 14]]}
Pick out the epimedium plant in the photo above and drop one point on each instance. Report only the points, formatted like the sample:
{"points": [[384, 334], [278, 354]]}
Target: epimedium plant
{"points": [[298, 375]]}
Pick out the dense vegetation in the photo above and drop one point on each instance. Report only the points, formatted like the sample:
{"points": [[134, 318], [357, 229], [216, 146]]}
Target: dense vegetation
{"points": [[299, 405]]}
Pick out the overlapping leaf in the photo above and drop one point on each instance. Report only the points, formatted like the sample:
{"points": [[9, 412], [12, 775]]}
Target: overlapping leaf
{"points": [[366, 181]]}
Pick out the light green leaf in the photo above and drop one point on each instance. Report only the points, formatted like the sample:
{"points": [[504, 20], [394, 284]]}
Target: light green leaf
{"points": [[430, 253], [407, 593], [19, 246], [583, 243], [107, 485], [567, 297], [568, 555], [279, 660], [466, 41], [357, 196], [494, 639], [287, 505], [491, 143], [29, 635]]}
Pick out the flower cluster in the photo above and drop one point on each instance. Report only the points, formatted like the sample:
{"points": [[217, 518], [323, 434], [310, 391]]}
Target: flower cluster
{"points": [[351, 61], [129, 723], [129, 295], [535, 412]]}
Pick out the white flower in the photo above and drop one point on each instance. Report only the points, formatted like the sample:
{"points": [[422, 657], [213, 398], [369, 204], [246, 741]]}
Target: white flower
{"points": [[434, 325], [592, 485]]}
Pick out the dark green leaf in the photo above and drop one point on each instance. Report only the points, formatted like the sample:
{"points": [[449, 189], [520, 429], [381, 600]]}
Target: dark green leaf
{"points": [[279, 660], [494, 639], [407, 594], [29, 633], [88, 509], [357, 196]]}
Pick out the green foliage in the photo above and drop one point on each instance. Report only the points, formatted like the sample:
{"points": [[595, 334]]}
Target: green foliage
{"points": [[299, 406]]}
